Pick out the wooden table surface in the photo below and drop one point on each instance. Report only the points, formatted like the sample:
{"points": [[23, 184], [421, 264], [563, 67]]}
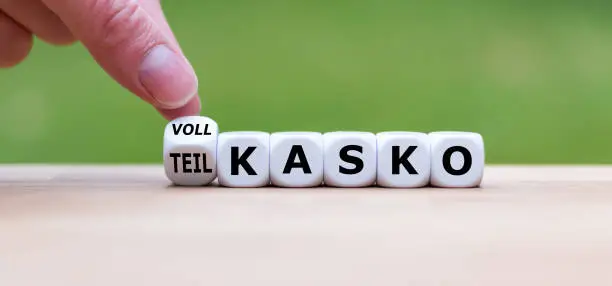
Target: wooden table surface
{"points": [[123, 225]]}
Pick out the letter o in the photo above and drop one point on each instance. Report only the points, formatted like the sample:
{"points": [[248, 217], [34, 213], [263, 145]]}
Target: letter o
{"points": [[467, 160], [190, 129]]}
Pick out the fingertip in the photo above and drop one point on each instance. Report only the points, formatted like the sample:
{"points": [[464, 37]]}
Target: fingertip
{"points": [[19, 52], [168, 77], [15, 42], [59, 38], [35, 17], [193, 107]]}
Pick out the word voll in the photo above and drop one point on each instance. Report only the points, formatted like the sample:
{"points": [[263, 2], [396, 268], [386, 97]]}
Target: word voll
{"points": [[195, 154]]}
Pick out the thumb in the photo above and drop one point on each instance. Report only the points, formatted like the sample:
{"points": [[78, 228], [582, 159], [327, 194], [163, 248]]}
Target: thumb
{"points": [[132, 42]]}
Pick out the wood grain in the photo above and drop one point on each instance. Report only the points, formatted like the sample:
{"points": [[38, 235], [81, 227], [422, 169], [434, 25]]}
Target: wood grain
{"points": [[124, 225]]}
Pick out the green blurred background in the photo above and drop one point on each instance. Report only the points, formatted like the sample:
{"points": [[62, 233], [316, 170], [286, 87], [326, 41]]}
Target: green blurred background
{"points": [[534, 77]]}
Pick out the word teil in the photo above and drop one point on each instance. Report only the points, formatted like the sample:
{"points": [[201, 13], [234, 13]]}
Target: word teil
{"points": [[190, 163]]}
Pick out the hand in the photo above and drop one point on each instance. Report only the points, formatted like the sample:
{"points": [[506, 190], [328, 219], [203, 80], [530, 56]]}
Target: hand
{"points": [[130, 39]]}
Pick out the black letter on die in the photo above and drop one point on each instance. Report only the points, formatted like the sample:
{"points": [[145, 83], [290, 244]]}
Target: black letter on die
{"points": [[241, 160], [297, 151], [188, 129], [175, 156], [186, 162], [197, 169], [204, 161], [467, 160], [351, 159], [176, 128], [397, 160]]}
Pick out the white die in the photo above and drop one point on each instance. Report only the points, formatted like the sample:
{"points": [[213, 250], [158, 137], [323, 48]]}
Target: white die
{"points": [[243, 159], [296, 159], [350, 159], [457, 159], [190, 150], [403, 159]]}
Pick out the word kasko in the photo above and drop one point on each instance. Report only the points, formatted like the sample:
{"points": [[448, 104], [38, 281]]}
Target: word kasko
{"points": [[195, 154]]}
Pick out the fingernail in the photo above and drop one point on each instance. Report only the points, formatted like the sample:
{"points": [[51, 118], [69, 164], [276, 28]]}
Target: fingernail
{"points": [[168, 78]]}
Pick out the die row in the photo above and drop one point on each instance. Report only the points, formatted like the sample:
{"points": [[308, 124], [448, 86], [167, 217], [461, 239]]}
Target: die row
{"points": [[195, 154]]}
